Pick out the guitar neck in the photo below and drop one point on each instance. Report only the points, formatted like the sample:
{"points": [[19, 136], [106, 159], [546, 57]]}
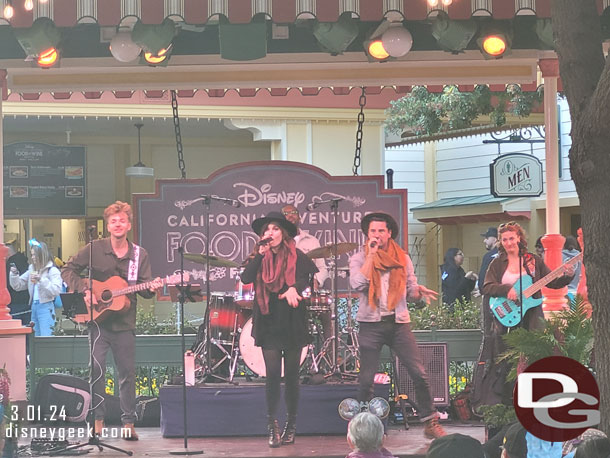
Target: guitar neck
{"points": [[135, 288], [558, 272]]}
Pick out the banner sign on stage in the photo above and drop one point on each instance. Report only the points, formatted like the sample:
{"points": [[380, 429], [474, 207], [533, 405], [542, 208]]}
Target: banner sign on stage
{"points": [[174, 215], [44, 180]]}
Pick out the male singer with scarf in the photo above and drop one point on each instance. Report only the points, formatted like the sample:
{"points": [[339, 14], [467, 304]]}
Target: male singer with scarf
{"points": [[383, 275], [280, 272]]}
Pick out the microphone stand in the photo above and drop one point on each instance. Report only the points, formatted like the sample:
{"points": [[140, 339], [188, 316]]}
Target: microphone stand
{"points": [[182, 298], [206, 200], [335, 372], [521, 285], [93, 438]]}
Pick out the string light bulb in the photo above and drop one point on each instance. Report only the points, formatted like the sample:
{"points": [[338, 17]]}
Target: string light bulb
{"points": [[8, 11], [43, 1], [29, 5], [433, 3], [447, 2]]}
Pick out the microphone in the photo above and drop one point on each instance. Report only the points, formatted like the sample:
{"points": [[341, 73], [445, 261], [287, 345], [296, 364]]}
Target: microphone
{"points": [[92, 228], [224, 200], [264, 241], [373, 244], [310, 206]]}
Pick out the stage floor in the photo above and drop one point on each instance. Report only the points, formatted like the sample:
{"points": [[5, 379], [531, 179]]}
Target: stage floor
{"points": [[401, 443]]}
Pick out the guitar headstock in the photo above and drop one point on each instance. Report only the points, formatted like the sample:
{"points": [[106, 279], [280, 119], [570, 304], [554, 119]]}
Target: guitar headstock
{"points": [[175, 279]]}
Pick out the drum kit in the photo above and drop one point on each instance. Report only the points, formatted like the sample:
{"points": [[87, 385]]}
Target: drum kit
{"points": [[230, 325]]}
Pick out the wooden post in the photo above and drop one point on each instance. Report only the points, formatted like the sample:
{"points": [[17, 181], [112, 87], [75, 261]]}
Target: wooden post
{"points": [[553, 299]]}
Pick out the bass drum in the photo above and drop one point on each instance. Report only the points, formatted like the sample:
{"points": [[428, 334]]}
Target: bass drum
{"points": [[253, 355]]}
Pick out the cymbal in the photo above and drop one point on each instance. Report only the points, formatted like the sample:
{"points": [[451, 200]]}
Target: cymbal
{"points": [[214, 260], [327, 251]]}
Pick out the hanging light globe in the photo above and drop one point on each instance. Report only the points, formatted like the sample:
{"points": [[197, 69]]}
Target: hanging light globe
{"points": [[397, 40], [123, 48], [9, 11]]}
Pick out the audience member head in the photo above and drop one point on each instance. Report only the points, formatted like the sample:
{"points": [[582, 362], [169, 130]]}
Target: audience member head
{"points": [[11, 244], [365, 432], [490, 238], [588, 435], [39, 254], [571, 243], [455, 445], [515, 444], [598, 447], [453, 257]]}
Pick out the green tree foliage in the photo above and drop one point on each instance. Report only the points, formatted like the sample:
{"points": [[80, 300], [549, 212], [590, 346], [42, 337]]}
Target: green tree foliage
{"points": [[426, 113], [569, 333]]}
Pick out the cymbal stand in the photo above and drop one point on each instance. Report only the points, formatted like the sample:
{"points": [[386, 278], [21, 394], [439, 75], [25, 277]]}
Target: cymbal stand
{"points": [[353, 348], [234, 354]]}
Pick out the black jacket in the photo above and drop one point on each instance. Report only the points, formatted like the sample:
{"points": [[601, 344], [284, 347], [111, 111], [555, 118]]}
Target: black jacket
{"points": [[455, 284]]}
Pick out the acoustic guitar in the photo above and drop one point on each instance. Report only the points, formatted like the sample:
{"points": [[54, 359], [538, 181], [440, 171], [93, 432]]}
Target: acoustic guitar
{"points": [[510, 313], [111, 296]]}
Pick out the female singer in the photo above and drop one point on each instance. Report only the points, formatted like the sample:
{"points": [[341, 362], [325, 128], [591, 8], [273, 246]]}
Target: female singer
{"points": [[280, 272]]}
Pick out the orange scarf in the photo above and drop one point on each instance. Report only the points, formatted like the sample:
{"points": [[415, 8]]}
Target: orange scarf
{"points": [[276, 271], [393, 259]]}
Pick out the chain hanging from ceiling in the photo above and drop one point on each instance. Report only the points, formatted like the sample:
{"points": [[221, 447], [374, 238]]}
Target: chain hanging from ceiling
{"points": [[362, 103], [181, 164]]}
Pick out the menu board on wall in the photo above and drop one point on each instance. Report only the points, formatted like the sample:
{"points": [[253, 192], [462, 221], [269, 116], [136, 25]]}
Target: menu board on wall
{"points": [[44, 180]]}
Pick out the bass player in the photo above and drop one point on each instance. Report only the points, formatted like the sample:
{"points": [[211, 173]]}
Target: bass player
{"points": [[501, 280], [113, 256]]}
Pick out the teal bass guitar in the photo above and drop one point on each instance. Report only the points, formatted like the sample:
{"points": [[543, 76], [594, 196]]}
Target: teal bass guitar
{"points": [[510, 313]]}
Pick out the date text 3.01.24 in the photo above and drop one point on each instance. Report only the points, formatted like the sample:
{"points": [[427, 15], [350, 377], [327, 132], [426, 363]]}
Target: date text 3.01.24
{"points": [[35, 414]]}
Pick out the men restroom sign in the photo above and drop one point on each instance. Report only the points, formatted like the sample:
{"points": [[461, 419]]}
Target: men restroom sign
{"points": [[516, 175]]}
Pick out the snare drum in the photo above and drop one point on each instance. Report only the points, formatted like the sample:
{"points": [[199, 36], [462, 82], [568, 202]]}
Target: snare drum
{"points": [[226, 317], [245, 296], [320, 301], [253, 355]]}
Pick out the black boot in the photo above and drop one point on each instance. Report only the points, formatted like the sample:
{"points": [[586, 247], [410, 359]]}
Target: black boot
{"points": [[274, 433], [290, 430]]}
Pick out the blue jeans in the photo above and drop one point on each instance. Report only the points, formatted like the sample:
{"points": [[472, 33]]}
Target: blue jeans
{"points": [[43, 316]]}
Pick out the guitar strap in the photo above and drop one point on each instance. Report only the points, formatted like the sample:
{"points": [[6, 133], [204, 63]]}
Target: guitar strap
{"points": [[134, 263]]}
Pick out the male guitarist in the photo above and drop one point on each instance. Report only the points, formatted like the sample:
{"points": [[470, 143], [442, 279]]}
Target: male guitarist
{"points": [[502, 280], [113, 256]]}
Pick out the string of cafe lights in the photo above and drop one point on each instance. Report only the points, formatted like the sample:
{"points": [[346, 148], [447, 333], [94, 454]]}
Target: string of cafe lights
{"points": [[28, 5]]}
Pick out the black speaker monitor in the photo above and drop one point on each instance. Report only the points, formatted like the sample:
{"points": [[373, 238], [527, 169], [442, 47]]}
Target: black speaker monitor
{"points": [[434, 358]]}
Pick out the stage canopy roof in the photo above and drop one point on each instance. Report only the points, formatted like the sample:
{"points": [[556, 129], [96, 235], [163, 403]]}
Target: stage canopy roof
{"points": [[275, 44]]}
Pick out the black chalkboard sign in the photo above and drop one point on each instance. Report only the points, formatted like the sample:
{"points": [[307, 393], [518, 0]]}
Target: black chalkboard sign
{"points": [[44, 180]]}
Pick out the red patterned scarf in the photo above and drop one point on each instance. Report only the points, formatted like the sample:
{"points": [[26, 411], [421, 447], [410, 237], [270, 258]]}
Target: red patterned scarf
{"points": [[277, 270]]}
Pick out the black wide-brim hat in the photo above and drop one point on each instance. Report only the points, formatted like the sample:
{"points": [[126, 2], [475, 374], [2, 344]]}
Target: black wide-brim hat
{"points": [[391, 222], [274, 217]]}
